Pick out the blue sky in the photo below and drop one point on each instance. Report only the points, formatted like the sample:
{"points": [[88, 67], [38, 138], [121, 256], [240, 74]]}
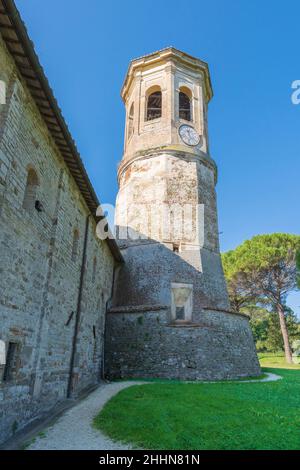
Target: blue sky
{"points": [[252, 49]]}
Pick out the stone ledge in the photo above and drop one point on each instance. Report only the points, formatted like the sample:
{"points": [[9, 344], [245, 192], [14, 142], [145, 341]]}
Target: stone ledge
{"points": [[190, 325], [137, 308], [202, 157], [223, 310], [154, 308]]}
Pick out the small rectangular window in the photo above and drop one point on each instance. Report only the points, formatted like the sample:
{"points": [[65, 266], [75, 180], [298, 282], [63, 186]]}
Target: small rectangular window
{"points": [[179, 313], [30, 195], [75, 245], [11, 362], [181, 302], [94, 269]]}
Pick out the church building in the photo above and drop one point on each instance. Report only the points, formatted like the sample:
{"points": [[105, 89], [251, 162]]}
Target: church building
{"points": [[75, 308]]}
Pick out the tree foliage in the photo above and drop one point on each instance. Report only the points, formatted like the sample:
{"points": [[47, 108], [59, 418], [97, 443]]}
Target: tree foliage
{"points": [[265, 327], [263, 270], [298, 267]]}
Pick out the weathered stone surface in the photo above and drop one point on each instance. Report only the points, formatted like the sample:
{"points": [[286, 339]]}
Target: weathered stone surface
{"points": [[148, 344], [39, 280], [171, 257], [40, 264]]}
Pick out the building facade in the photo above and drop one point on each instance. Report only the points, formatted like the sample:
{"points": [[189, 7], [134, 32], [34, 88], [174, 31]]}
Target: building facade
{"points": [[56, 275]]}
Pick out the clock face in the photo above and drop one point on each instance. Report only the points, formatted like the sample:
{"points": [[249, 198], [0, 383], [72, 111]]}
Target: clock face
{"points": [[188, 135]]}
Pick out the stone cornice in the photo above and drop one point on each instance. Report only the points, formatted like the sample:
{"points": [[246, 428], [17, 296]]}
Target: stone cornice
{"points": [[230, 312], [163, 55], [137, 308], [186, 155]]}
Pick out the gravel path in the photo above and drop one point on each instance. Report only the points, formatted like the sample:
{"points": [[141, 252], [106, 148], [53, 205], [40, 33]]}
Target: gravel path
{"points": [[73, 430], [269, 378]]}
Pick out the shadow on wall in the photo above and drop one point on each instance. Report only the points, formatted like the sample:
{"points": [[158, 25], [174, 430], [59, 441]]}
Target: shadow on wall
{"points": [[152, 267], [170, 320]]}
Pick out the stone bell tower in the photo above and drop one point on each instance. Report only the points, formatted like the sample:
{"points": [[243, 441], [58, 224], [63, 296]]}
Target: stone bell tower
{"points": [[170, 313]]}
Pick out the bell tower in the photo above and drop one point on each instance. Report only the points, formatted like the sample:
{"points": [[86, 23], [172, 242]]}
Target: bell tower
{"points": [[161, 92], [167, 177], [172, 281]]}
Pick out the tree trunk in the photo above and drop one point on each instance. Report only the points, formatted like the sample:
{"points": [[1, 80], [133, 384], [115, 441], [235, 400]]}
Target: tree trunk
{"points": [[285, 334]]}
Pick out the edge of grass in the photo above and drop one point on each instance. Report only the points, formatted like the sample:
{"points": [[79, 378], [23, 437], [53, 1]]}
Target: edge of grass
{"points": [[251, 378]]}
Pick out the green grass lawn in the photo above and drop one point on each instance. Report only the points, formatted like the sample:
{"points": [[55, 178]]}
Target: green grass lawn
{"points": [[207, 416], [275, 360]]}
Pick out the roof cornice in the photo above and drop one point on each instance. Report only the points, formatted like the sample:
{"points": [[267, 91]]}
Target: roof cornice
{"points": [[163, 55]]}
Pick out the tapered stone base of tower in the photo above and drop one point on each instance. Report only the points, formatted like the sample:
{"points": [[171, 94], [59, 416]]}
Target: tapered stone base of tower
{"points": [[143, 343], [143, 339], [170, 314]]}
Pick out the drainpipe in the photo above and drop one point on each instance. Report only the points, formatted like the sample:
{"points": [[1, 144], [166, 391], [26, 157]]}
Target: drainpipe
{"points": [[78, 309], [104, 327]]}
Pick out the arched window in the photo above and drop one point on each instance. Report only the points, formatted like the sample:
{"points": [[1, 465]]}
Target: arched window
{"points": [[154, 105], [130, 120], [185, 104], [30, 190], [75, 245]]}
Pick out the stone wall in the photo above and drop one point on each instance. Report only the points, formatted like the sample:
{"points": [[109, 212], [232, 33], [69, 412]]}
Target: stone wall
{"points": [[39, 278], [145, 343], [150, 268]]}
